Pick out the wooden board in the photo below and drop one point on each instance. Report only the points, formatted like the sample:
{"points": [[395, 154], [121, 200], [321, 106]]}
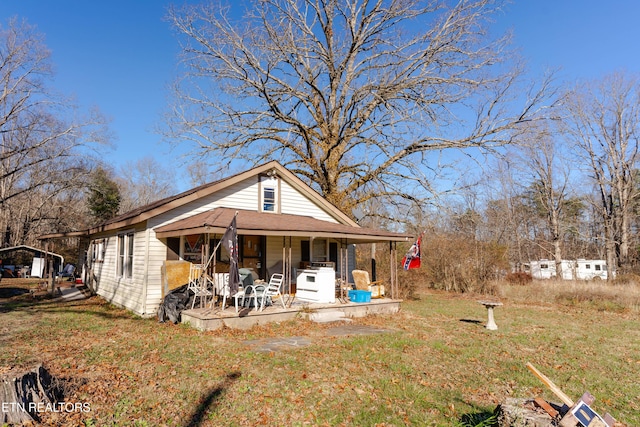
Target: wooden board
{"points": [[174, 275], [546, 406]]}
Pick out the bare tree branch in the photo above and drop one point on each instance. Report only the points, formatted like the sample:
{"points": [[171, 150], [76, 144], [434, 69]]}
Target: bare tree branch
{"points": [[44, 143], [350, 94]]}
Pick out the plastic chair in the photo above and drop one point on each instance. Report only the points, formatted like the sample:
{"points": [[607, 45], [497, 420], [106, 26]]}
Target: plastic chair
{"points": [[241, 294], [273, 289], [68, 271], [255, 293], [221, 286]]}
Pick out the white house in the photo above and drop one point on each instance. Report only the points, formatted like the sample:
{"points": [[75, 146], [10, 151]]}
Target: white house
{"points": [[280, 221], [580, 269]]}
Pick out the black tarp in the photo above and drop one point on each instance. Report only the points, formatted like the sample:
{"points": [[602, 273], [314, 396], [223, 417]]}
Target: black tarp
{"points": [[174, 303]]}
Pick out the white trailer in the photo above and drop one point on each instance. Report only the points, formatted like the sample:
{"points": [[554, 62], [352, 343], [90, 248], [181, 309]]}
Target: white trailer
{"points": [[543, 269], [581, 269]]}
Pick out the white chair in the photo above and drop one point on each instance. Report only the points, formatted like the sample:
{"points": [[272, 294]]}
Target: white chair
{"points": [[252, 292], [241, 294], [221, 284], [221, 287], [273, 289]]}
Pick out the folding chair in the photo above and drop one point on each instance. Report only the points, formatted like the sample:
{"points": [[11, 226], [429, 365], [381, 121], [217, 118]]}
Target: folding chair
{"points": [[199, 283], [273, 289]]}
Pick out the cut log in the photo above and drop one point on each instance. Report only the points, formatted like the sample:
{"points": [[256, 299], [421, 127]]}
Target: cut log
{"points": [[22, 392]]}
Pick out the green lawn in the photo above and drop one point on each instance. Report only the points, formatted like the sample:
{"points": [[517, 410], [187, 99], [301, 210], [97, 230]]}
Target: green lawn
{"points": [[438, 365]]}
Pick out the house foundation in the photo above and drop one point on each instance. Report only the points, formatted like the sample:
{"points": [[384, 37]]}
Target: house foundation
{"points": [[210, 319]]}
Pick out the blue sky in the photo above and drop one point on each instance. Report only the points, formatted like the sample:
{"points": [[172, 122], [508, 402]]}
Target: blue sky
{"points": [[120, 55]]}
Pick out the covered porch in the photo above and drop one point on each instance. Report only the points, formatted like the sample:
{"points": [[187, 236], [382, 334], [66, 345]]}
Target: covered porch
{"points": [[316, 258]]}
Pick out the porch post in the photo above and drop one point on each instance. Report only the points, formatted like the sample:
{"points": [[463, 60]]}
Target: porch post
{"points": [[373, 263], [344, 267], [393, 272], [286, 263], [206, 240]]}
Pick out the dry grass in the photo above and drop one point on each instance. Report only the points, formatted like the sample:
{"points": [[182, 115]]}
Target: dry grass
{"points": [[599, 295]]}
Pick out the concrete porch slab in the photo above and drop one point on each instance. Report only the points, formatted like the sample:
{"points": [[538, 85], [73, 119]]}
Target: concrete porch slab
{"points": [[210, 319]]}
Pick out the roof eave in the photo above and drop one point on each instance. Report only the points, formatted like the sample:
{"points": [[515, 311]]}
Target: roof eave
{"points": [[84, 233], [362, 238]]}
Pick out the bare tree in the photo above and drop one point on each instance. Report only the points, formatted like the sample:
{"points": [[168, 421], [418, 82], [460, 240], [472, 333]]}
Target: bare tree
{"points": [[143, 182], [509, 218], [42, 139], [351, 95], [549, 178], [604, 124]]}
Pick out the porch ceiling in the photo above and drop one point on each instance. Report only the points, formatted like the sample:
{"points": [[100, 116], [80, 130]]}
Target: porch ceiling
{"points": [[273, 224]]}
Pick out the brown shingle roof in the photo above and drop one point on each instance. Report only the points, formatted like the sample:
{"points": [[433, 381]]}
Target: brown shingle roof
{"points": [[262, 223]]}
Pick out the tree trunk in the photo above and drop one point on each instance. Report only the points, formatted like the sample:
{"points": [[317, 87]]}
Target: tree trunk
{"points": [[610, 246], [557, 247]]}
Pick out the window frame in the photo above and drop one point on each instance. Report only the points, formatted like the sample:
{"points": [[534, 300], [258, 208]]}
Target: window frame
{"points": [[125, 254], [270, 184], [97, 251]]}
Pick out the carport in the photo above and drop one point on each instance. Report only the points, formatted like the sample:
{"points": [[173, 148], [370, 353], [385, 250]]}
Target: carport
{"points": [[38, 263]]}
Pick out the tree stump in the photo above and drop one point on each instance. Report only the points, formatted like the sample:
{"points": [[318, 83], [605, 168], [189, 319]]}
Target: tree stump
{"points": [[522, 413], [21, 393]]}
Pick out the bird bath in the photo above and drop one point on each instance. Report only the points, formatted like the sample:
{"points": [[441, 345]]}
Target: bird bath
{"points": [[490, 305]]}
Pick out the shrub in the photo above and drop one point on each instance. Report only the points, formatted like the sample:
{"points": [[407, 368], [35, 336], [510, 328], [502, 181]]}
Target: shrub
{"points": [[519, 278], [455, 263]]}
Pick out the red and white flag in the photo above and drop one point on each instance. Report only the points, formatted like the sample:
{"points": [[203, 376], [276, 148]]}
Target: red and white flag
{"points": [[412, 258]]}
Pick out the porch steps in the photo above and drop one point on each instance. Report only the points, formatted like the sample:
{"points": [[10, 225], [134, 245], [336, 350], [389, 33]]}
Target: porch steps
{"points": [[327, 316]]}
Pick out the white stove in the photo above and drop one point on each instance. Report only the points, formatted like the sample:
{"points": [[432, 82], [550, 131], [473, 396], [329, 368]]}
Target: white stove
{"points": [[316, 285]]}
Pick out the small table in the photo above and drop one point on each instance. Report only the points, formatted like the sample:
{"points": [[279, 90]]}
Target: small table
{"points": [[490, 305]]}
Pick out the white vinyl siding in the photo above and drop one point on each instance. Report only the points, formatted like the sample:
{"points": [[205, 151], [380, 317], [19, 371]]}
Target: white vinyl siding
{"points": [[295, 203], [122, 291], [157, 254], [243, 195]]}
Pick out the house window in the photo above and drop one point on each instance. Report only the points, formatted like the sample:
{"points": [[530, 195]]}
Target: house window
{"points": [[97, 251], [269, 194], [124, 265], [587, 266], [597, 266], [269, 199]]}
